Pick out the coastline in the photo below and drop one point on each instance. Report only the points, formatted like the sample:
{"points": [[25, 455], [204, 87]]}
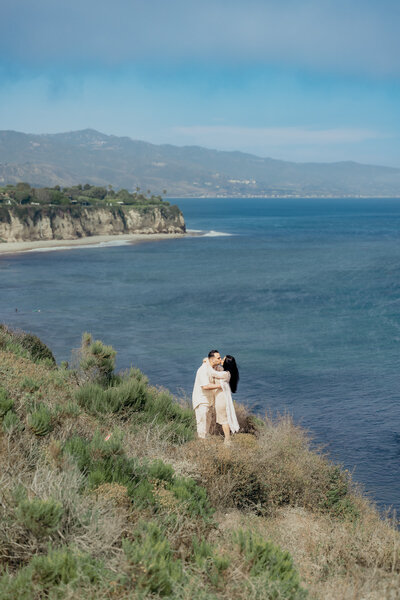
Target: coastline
{"points": [[95, 240]]}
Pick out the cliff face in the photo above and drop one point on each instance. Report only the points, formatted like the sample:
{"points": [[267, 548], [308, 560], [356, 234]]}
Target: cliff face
{"points": [[30, 223]]}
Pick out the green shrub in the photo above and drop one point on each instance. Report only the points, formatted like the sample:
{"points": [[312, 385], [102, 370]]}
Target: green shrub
{"points": [[63, 566], [337, 499], [46, 576], [36, 348], [105, 393], [39, 516], [40, 421], [154, 568], [192, 497], [105, 462], [97, 360], [26, 345], [91, 397], [6, 403], [96, 400], [134, 373], [17, 587], [11, 422], [134, 394], [164, 406], [29, 384], [205, 558], [79, 449], [70, 409], [275, 566]]}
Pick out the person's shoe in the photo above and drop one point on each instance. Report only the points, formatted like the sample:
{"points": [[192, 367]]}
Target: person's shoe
{"points": [[227, 442]]}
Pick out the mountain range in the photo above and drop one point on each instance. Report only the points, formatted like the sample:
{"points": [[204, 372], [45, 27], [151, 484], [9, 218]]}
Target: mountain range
{"points": [[88, 156]]}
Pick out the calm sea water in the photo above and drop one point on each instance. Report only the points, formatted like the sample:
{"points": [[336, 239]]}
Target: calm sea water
{"points": [[304, 293]]}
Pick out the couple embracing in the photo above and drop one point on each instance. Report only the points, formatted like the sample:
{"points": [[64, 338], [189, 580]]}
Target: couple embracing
{"points": [[215, 382]]}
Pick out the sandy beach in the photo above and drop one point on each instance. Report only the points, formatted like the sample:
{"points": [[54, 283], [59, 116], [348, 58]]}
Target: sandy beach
{"points": [[95, 240]]}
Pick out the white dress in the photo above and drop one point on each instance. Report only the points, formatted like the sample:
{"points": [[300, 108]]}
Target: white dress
{"points": [[225, 393]]}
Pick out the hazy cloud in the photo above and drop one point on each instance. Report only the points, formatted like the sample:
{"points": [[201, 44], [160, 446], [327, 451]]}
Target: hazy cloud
{"points": [[274, 136], [358, 36]]}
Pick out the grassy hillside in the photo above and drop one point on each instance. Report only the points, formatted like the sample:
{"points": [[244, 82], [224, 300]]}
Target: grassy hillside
{"points": [[105, 492]]}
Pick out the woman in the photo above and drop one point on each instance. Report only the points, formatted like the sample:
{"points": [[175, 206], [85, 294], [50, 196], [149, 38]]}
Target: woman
{"points": [[225, 411]]}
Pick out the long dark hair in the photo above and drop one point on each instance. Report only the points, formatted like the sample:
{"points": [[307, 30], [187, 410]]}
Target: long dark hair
{"points": [[231, 366]]}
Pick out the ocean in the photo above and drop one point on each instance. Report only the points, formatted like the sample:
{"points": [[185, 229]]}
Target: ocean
{"points": [[304, 293]]}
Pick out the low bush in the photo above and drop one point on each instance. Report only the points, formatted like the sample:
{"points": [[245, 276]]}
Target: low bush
{"points": [[152, 565], [11, 422], [105, 462], [39, 516], [70, 409], [272, 565], [134, 395], [40, 420], [29, 384], [97, 400], [96, 361], [212, 564], [26, 345], [6, 403], [53, 575]]}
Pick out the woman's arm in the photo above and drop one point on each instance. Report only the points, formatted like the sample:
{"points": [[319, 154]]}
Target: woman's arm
{"points": [[218, 374], [221, 374]]}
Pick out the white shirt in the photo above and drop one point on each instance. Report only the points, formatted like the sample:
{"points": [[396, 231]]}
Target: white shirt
{"points": [[200, 396]]}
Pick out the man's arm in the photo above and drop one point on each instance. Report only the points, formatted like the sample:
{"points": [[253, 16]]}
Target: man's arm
{"points": [[211, 386]]}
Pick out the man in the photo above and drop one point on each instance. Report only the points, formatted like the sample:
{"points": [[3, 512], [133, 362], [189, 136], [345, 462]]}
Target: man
{"points": [[204, 393]]}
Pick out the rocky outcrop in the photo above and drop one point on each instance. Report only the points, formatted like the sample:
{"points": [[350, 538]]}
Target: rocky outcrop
{"points": [[32, 223]]}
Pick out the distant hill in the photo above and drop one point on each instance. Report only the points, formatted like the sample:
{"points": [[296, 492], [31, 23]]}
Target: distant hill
{"points": [[90, 156]]}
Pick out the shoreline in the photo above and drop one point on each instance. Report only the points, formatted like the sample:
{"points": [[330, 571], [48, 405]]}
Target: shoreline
{"points": [[94, 240]]}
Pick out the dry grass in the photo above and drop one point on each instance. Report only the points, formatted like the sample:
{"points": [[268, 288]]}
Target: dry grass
{"points": [[273, 469], [90, 522], [53, 385], [337, 560]]}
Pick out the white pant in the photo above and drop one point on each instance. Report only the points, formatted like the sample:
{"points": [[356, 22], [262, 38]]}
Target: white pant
{"points": [[203, 419]]}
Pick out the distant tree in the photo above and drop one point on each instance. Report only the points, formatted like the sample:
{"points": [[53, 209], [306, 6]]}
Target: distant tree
{"points": [[97, 192], [42, 195], [23, 196], [57, 197], [124, 195]]}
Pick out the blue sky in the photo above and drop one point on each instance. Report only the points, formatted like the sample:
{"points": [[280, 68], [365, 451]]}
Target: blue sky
{"points": [[315, 80]]}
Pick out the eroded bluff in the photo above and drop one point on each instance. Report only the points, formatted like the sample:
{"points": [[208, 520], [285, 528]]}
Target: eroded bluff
{"points": [[31, 223]]}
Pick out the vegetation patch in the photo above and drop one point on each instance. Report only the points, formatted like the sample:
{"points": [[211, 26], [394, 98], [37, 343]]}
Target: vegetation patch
{"points": [[40, 420], [57, 574], [26, 345], [139, 509], [104, 462], [270, 566], [6, 403]]}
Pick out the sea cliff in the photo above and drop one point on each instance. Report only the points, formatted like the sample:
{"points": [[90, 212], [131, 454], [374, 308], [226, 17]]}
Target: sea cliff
{"points": [[34, 223]]}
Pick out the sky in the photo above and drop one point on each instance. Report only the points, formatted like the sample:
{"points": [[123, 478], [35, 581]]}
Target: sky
{"points": [[298, 80]]}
